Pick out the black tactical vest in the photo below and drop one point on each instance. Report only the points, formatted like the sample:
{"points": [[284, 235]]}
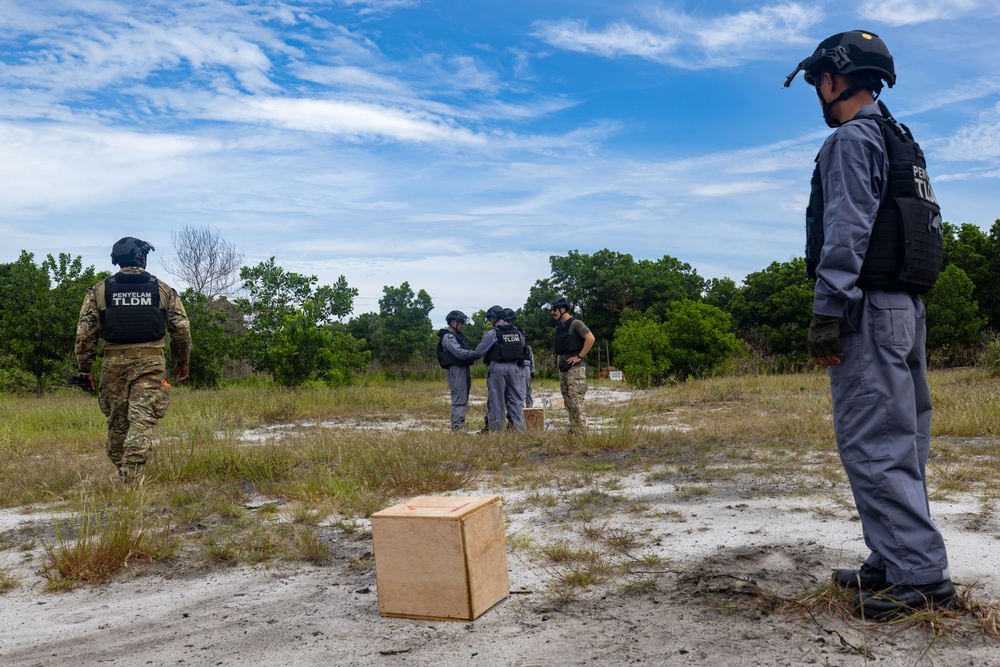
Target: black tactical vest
{"points": [[567, 342], [509, 345], [132, 311], [445, 357], [906, 247]]}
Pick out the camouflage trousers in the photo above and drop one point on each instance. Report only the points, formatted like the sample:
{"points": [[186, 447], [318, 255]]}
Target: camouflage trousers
{"points": [[573, 385], [133, 395]]}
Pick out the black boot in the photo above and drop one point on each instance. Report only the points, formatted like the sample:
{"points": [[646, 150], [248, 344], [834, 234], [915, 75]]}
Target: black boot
{"points": [[901, 600], [867, 578]]}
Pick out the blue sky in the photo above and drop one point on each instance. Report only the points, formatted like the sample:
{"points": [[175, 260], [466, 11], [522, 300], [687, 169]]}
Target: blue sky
{"points": [[457, 144]]}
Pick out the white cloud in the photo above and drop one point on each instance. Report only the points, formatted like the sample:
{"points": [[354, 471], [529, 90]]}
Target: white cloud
{"points": [[616, 40], [683, 40], [909, 12], [379, 6], [54, 167], [342, 118], [104, 43], [979, 141]]}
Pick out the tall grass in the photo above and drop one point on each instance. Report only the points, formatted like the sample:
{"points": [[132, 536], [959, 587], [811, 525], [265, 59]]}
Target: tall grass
{"points": [[106, 535], [753, 435]]}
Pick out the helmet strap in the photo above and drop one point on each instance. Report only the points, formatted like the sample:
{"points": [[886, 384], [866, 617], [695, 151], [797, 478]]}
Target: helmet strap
{"points": [[828, 106]]}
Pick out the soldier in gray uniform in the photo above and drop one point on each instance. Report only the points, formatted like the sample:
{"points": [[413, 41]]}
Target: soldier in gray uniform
{"points": [[503, 348], [529, 361], [874, 243], [456, 356], [132, 311]]}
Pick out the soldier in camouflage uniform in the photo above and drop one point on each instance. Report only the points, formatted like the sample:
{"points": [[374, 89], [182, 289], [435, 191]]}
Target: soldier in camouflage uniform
{"points": [[132, 311], [573, 341]]}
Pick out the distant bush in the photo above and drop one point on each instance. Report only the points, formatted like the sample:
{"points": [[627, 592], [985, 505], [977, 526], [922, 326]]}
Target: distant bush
{"points": [[692, 341]]}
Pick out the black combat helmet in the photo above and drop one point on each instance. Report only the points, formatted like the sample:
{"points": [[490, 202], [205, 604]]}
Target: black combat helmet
{"points": [[854, 54], [558, 302], [456, 315], [508, 315], [130, 251], [495, 313]]}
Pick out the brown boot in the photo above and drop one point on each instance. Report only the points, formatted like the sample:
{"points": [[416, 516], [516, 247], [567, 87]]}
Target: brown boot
{"points": [[132, 473]]}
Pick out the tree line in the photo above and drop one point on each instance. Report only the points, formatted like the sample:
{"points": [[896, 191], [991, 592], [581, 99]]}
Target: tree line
{"points": [[656, 320]]}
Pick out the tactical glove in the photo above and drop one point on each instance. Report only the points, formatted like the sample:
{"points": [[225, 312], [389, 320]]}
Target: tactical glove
{"points": [[82, 380], [824, 337]]}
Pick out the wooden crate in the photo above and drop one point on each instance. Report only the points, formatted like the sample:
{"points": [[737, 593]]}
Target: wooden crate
{"points": [[534, 418], [440, 557]]}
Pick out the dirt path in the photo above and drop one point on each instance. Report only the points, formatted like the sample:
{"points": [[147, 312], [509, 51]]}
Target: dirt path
{"points": [[703, 613]]}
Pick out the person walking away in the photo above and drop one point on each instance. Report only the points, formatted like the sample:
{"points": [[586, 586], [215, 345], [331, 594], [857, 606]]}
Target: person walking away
{"points": [[456, 356], [572, 343], [503, 348], [873, 244], [132, 311]]}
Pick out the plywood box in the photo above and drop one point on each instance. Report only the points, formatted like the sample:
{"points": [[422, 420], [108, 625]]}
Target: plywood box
{"points": [[534, 419], [440, 557]]}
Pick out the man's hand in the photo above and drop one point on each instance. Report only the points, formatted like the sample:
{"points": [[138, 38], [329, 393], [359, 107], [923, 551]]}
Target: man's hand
{"points": [[181, 372], [84, 381], [824, 340]]}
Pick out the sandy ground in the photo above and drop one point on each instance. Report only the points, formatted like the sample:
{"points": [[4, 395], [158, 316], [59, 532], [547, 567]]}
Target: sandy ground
{"points": [[703, 613]]}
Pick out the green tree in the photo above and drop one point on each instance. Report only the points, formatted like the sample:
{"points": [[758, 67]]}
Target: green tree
{"points": [[216, 325], [403, 332], [953, 322], [603, 285], [304, 352], [773, 308], [720, 292], [699, 338], [284, 310], [39, 308], [477, 327], [693, 341], [537, 323], [640, 345]]}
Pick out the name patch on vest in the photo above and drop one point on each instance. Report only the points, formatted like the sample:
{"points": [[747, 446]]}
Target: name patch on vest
{"points": [[922, 182], [131, 299]]}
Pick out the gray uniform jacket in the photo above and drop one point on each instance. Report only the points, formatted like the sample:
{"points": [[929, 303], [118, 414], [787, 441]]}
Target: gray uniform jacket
{"points": [[855, 168]]}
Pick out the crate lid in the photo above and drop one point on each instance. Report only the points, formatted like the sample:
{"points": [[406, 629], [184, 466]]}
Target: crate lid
{"points": [[437, 507]]}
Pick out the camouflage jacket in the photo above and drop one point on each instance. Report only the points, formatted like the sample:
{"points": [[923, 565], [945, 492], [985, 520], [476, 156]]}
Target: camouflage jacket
{"points": [[88, 329]]}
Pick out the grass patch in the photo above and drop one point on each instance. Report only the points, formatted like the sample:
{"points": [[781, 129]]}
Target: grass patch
{"points": [[104, 538], [8, 580]]}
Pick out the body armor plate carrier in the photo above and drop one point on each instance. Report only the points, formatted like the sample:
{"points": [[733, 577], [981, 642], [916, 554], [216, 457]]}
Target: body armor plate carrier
{"points": [[132, 311], [444, 356], [509, 345], [905, 250], [567, 342]]}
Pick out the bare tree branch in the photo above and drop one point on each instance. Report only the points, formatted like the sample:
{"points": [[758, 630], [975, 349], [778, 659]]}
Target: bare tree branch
{"points": [[205, 261]]}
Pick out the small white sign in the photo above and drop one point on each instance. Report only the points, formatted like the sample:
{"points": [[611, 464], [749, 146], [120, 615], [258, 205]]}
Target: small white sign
{"points": [[616, 375]]}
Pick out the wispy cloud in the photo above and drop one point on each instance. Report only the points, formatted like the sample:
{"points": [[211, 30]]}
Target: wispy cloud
{"points": [[613, 41], [909, 12], [979, 141], [686, 41]]}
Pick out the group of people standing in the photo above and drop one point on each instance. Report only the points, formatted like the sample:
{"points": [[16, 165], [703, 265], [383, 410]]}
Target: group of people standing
{"points": [[874, 244], [511, 363]]}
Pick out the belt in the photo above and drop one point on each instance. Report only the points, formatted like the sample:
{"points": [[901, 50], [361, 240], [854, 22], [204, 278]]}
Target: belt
{"points": [[134, 353]]}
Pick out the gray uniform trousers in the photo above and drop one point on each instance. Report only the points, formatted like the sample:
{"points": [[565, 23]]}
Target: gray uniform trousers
{"points": [[882, 418], [459, 384], [529, 401], [505, 384]]}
